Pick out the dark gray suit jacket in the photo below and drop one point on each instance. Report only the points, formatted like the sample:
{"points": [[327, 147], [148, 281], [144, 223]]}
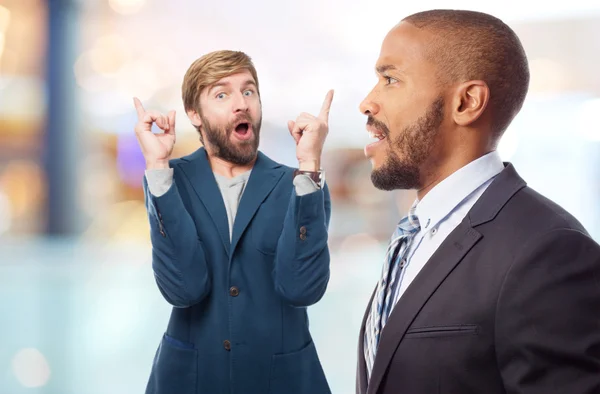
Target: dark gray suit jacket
{"points": [[509, 303]]}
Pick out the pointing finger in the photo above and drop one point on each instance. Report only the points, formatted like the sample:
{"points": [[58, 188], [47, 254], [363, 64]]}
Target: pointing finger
{"points": [[324, 114], [139, 108]]}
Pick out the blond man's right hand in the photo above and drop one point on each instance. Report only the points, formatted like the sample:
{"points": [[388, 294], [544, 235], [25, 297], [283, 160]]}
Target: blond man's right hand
{"points": [[156, 148]]}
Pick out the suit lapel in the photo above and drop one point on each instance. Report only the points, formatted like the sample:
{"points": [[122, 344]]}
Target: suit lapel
{"points": [[263, 178], [197, 169], [439, 266]]}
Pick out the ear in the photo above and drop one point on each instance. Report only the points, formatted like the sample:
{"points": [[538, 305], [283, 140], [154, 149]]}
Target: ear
{"points": [[469, 102], [194, 118]]}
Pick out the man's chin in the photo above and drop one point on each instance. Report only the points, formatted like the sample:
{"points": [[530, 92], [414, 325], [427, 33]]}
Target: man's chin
{"points": [[381, 182], [246, 157], [387, 179], [244, 144]]}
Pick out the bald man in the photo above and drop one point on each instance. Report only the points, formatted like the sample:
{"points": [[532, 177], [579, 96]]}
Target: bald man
{"points": [[487, 287]]}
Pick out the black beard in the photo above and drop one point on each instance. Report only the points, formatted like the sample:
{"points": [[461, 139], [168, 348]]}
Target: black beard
{"points": [[414, 144], [240, 153]]}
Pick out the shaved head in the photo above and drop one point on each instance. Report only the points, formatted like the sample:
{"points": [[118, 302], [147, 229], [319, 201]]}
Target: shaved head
{"points": [[472, 45], [449, 83]]}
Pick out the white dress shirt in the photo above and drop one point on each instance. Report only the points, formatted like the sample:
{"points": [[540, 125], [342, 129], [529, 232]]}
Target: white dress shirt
{"points": [[443, 209]]}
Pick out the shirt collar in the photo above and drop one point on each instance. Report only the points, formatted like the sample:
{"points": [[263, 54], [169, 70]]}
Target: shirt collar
{"points": [[452, 191]]}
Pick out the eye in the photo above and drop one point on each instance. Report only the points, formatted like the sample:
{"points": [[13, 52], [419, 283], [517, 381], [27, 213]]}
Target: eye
{"points": [[390, 80], [221, 96], [248, 92]]}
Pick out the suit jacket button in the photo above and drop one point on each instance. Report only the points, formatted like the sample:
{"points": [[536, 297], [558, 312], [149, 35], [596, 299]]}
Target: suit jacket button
{"points": [[162, 232], [227, 345], [302, 230], [234, 291], [303, 236]]}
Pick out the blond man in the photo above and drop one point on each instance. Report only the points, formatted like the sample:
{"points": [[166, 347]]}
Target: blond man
{"points": [[239, 242]]}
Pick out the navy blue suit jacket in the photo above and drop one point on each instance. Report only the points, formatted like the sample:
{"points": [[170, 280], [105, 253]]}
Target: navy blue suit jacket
{"points": [[239, 323]]}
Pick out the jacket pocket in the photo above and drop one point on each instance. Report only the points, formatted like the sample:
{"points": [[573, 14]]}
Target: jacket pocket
{"points": [[178, 343], [299, 372], [443, 331], [175, 368]]}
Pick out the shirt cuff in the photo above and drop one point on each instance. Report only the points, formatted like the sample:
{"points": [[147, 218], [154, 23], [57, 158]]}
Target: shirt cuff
{"points": [[304, 185], [159, 180]]}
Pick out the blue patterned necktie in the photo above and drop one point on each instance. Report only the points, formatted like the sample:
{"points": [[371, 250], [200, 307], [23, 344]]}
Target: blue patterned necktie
{"points": [[382, 303]]}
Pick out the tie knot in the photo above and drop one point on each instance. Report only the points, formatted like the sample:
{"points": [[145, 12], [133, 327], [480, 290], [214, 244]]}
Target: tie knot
{"points": [[410, 223]]}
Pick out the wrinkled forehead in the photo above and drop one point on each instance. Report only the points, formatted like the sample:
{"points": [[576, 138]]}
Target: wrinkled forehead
{"points": [[239, 79]]}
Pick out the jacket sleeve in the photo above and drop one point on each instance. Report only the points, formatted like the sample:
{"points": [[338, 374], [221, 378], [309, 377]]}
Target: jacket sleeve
{"points": [[548, 317], [302, 256], [178, 258]]}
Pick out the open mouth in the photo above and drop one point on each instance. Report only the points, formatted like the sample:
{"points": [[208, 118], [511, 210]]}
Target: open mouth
{"points": [[378, 136], [243, 130]]}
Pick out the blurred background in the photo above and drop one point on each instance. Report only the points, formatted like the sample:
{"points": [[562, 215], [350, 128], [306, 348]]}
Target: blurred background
{"points": [[79, 309]]}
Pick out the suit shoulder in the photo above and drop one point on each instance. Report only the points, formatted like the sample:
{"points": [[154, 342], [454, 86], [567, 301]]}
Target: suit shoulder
{"points": [[174, 162], [187, 158], [275, 164], [540, 214]]}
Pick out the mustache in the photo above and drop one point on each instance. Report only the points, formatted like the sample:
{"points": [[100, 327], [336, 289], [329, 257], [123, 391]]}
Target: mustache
{"points": [[380, 126], [243, 118]]}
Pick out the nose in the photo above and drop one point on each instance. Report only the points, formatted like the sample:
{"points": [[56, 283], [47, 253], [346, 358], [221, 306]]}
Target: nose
{"points": [[240, 103], [368, 106]]}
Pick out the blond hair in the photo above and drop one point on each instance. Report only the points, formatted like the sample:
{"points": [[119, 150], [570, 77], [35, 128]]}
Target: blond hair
{"points": [[208, 70]]}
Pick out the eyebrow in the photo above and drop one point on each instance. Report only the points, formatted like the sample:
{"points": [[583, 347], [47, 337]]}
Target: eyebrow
{"points": [[222, 84], [386, 67]]}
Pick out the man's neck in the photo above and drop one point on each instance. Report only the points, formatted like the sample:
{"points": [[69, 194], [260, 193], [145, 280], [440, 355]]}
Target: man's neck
{"points": [[442, 172], [226, 168]]}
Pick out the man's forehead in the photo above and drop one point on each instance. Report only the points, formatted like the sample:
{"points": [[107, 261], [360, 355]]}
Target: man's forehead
{"points": [[394, 64], [243, 77], [231, 81], [403, 47]]}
